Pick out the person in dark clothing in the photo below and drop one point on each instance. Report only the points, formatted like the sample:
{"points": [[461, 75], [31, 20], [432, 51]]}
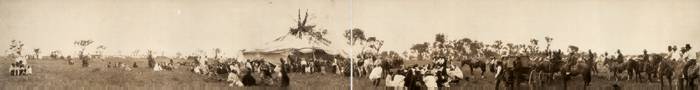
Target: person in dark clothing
{"points": [[285, 78], [410, 83], [441, 78], [248, 79]]}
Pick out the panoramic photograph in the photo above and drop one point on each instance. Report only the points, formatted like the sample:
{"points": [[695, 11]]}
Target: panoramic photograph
{"points": [[350, 44]]}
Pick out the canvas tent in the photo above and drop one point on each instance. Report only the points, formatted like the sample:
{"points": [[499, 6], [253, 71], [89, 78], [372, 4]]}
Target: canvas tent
{"points": [[283, 47]]}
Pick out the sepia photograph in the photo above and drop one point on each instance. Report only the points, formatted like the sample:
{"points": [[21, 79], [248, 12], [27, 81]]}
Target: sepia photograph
{"points": [[349, 44]]}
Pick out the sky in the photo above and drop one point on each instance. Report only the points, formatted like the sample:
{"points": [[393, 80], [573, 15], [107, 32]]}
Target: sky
{"points": [[172, 26]]}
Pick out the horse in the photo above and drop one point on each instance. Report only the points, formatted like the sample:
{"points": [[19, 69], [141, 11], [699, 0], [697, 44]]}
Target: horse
{"points": [[474, 63], [548, 68], [633, 68], [648, 66], [513, 70], [578, 68], [670, 69], [614, 66]]}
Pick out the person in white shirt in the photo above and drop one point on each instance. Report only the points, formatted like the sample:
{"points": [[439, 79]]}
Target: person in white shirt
{"points": [[234, 80], [399, 81], [305, 65], [430, 81], [389, 82], [375, 75]]}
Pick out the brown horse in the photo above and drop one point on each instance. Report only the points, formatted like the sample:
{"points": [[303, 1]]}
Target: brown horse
{"points": [[648, 65], [546, 69], [474, 63], [513, 70], [615, 67], [576, 68], [679, 70], [580, 68]]}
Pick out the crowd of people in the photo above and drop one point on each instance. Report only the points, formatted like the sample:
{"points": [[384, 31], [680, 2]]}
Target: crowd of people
{"points": [[262, 72], [20, 67], [439, 73]]}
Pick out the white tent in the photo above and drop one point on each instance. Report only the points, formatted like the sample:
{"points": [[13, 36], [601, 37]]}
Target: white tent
{"points": [[285, 45]]}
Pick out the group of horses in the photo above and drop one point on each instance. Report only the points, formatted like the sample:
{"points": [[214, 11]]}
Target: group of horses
{"points": [[539, 70]]}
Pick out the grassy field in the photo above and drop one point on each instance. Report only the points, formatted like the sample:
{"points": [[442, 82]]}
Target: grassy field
{"points": [[599, 82], [57, 74]]}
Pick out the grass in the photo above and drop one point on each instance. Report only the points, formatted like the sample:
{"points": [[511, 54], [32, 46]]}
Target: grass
{"points": [[57, 74], [599, 82]]}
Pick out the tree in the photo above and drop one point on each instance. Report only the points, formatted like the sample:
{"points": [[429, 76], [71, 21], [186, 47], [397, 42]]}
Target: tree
{"points": [[16, 48], [100, 50], [36, 53], [549, 42], [375, 43], [497, 45], [511, 48], [302, 30], [534, 47], [216, 53], [83, 45], [54, 54], [135, 53], [178, 55], [151, 59], [420, 49], [355, 35], [440, 38]]}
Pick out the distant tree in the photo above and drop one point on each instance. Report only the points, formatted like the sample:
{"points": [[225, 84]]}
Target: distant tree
{"points": [[511, 48], [534, 45], [421, 49], [178, 55], [549, 42], [375, 43], [151, 59], [54, 54], [303, 30], [83, 44], [16, 48], [355, 35], [498, 44], [216, 53], [36, 53], [135, 53], [100, 50]]}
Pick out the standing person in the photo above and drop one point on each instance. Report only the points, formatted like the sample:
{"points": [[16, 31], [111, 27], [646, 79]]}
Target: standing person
{"points": [[389, 82], [284, 82], [430, 81], [135, 65], [399, 80], [305, 65], [410, 83], [375, 75]]}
